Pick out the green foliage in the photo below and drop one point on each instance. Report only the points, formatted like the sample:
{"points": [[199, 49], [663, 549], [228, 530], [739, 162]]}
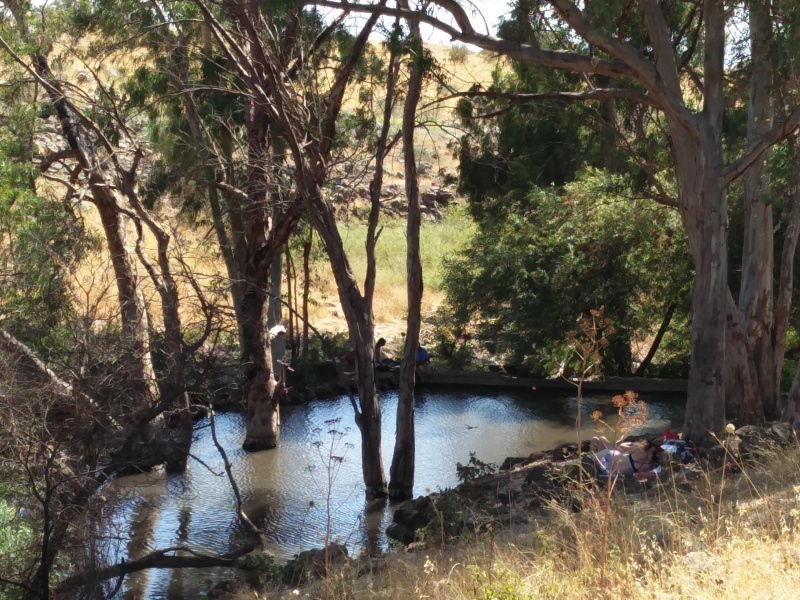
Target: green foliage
{"points": [[458, 54], [17, 541], [43, 243], [505, 584], [537, 264], [474, 469]]}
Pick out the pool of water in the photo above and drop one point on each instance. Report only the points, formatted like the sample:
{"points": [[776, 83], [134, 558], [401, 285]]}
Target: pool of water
{"points": [[287, 491]]}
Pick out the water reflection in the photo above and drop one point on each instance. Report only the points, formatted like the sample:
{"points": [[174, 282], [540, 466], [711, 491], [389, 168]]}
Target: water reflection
{"points": [[285, 491]]}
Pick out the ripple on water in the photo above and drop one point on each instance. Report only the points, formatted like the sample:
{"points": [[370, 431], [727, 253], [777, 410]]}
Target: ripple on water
{"points": [[285, 490]]}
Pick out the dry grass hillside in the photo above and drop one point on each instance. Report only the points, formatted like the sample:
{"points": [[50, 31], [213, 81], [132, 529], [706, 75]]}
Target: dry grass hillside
{"points": [[196, 252]]}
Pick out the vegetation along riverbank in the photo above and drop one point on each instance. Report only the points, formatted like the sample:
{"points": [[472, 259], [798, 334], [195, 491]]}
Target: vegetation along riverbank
{"points": [[210, 205]]}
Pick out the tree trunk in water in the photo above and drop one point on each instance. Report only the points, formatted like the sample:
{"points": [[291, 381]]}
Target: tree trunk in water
{"points": [[263, 414], [360, 327], [401, 483]]}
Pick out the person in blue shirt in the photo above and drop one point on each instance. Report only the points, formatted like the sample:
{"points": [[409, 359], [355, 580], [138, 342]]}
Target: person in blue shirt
{"points": [[422, 357]]}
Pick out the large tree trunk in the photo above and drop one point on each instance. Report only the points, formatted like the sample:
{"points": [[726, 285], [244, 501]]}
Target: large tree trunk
{"points": [[263, 417], [401, 483], [756, 304], [135, 327], [704, 213], [358, 314], [132, 305]]}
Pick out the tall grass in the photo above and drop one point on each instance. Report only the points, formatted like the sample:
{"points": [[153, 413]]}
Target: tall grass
{"points": [[438, 240], [671, 542]]}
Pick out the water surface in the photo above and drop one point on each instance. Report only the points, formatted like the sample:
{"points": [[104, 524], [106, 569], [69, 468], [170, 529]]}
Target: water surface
{"points": [[286, 491]]}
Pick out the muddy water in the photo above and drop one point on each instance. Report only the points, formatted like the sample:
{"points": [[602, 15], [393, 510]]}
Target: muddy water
{"points": [[288, 491]]}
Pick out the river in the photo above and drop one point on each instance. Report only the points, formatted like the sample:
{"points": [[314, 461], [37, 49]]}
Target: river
{"points": [[285, 490]]}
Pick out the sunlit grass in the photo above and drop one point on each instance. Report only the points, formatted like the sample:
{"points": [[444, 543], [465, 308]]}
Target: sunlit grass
{"points": [[438, 240], [664, 544]]}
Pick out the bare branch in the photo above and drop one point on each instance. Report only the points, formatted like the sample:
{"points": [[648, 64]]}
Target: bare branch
{"points": [[517, 98], [756, 150], [55, 157], [167, 558], [568, 61]]}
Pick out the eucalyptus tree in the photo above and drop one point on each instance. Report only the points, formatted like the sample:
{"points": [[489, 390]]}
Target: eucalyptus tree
{"points": [[401, 483], [651, 70], [90, 159], [295, 102], [769, 192]]}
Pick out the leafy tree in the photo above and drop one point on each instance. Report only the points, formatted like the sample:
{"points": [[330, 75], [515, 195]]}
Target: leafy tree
{"points": [[537, 264]]}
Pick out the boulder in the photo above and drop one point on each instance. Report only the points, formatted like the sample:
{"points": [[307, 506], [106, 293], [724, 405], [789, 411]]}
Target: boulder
{"points": [[401, 533], [415, 514], [314, 563], [428, 199]]}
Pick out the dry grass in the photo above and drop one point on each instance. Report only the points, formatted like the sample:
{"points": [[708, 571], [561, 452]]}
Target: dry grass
{"points": [[95, 292], [665, 545], [438, 240]]}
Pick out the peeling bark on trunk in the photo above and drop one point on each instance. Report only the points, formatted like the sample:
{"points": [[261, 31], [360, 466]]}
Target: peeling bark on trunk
{"points": [[704, 213], [401, 483], [360, 326], [756, 304], [263, 417]]}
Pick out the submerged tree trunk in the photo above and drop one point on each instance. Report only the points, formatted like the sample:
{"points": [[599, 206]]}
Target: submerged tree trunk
{"points": [[401, 483], [263, 417]]}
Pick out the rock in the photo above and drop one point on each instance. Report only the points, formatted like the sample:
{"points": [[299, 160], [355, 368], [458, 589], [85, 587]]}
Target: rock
{"points": [[401, 533], [428, 199], [698, 561], [225, 589], [512, 461], [315, 563], [424, 168], [570, 450], [537, 477], [444, 197], [415, 514], [508, 497], [782, 431]]}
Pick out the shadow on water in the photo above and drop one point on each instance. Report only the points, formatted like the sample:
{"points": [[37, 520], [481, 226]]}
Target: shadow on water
{"points": [[285, 491]]}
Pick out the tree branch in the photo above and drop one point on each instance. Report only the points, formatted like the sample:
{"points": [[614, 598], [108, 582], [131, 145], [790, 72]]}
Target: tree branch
{"points": [[55, 157], [574, 62], [160, 559], [595, 94], [781, 131]]}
